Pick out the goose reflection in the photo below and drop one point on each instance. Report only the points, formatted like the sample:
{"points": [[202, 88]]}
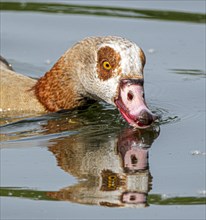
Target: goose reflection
{"points": [[112, 170]]}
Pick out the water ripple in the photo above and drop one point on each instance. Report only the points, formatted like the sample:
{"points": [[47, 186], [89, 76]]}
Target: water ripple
{"points": [[99, 118]]}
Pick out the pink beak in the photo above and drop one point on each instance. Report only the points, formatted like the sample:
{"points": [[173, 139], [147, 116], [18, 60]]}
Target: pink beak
{"points": [[131, 103]]}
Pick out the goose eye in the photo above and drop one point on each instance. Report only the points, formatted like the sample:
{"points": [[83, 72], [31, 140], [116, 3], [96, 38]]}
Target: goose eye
{"points": [[106, 65]]}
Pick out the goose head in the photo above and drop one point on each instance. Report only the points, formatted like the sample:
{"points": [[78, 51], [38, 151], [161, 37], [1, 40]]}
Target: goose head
{"points": [[102, 68]]}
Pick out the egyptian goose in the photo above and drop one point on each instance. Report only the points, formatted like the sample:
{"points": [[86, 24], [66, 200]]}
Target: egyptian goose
{"points": [[101, 68]]}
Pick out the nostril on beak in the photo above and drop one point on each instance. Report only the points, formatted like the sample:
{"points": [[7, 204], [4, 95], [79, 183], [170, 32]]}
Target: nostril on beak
{"points": [[133, 159], [130, 96], [145, 117]]}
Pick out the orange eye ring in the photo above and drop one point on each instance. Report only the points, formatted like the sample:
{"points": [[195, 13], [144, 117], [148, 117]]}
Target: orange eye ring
{"points": [[106, 65]]}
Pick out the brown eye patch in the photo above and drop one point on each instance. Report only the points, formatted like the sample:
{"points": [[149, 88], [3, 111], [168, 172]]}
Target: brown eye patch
{"points": [[107, 61]]}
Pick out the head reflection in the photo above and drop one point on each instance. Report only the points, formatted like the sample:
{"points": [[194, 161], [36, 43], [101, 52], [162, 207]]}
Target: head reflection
{"points": [[112, 171]]}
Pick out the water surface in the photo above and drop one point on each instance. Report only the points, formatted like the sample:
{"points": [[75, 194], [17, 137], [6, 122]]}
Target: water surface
{"points": [[89, 163]]}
